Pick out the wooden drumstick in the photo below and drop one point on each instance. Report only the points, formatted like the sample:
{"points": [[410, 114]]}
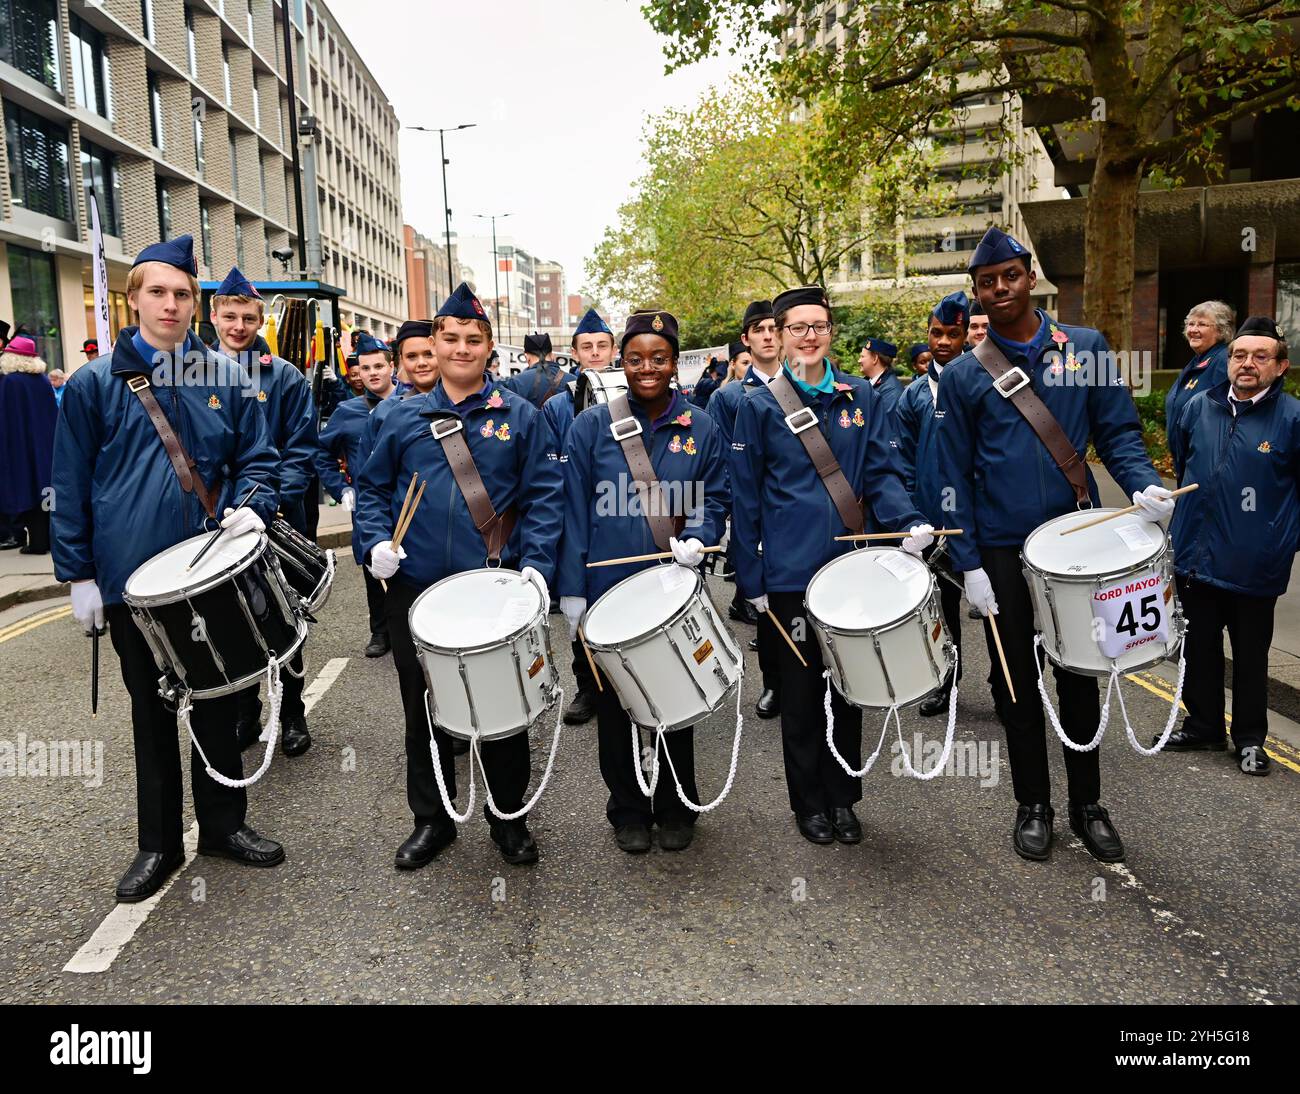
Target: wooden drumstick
{"points": [[401, 520], [404, 527], [591, 661], [997, 641], [1129, 509], [897, 535], [643, 558], [789, 641]]}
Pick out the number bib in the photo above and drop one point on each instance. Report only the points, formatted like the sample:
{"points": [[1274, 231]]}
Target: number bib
{"points": [[1132, 613]]}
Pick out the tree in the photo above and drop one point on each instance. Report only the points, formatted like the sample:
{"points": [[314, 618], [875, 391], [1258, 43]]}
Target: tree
{"points": [[1155, 83]]}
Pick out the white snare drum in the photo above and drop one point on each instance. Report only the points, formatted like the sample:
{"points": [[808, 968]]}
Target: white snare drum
{"points": [[878, 622], [598, 386], [657, 638], [485, 647], [1103, 597]]}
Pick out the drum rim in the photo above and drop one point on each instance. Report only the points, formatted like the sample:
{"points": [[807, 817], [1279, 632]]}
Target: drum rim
{"points": [[1166, 549], [421, 644], [877, 628], [159, 600], [644, 636], [236, 686]]}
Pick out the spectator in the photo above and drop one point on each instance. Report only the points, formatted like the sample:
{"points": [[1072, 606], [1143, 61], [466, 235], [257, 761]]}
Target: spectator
{"points": [[90, 348], [1208, 329], [57, 380], [28, 412]]}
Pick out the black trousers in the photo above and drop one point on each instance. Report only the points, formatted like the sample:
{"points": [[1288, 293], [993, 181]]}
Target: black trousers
{"points": [[950, 604], [249, 700], [627, 804], [1249, 623], [375, 603], [1024, 721], [506, 762], [37, 522], [815, 780], [159, 794], [581, 669], [769, 654]]}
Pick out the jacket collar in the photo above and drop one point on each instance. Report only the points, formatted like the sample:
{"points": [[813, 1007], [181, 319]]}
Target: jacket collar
{"points": [[127, 359], [1219, 394], [439, 404], [678, 411]]}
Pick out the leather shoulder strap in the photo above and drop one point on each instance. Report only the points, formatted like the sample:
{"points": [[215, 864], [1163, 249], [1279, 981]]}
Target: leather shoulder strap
{"points": [[803, 423], [495, 528], [653, 503], [182, 462], [1012, 384]]}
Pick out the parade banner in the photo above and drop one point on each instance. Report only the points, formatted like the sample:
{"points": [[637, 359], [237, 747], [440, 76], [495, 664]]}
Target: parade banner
{"points": [[100, 274]]}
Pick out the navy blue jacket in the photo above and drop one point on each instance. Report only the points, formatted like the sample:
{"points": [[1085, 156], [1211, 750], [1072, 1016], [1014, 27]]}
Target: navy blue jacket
{"points": [[602, 514], [514, 451], [536, 380], [704, 388], [29, 412], [889, 389], [1202, 372], [118, 499], [1004, 483], [781, 503], [345, 434], [1241, 529], [916, 429], [724, 405], [559, 413]]}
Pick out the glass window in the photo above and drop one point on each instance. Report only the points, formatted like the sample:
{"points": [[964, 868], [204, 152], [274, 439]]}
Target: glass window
{"points": [[239, 244], [261, 174], [146, 18], [198, 141], [90, 74], [36, 299], [257, 108], [156, 128], [39, 178], [164, 211], [29, 39], [1288, 303], [100, 176], [225, 70], [250, 22], [119, 315], [205, 230], [234, 168], [190, 44]]}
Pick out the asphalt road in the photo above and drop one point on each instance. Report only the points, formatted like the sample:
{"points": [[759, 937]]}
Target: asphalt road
{"points": [[933, 906]]}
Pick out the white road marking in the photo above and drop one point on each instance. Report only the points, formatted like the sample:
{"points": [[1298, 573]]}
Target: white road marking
{"points": [[120, 925]]}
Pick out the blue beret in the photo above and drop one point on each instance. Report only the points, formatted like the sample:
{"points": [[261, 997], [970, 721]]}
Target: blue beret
{"points": [[367, 343], [236, 284], [178, 252], [880, 346], [463, 304], [918, 348], [661, 323], [953, 308], [413, 328], [592, 323], [996, 247]]}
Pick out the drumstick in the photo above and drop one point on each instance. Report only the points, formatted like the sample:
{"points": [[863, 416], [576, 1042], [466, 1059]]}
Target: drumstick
{"points": [[401, 518], [591, 661], [643, 558], [1129, 509], [410, 516], [789, 641], [997, 641], [897, 535], [217, 534]]}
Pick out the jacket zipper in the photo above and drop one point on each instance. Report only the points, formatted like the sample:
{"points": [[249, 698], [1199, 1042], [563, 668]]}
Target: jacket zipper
{"points": [[1214, 478]]}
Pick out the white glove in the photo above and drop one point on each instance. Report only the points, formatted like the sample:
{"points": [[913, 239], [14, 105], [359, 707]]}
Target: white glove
{"points": [[572, 608], [88, 605], [918, 539], [384, 560], [536, 578], [686, 552], [1155, 503], [239, 521], [759, 603], [979, 592], [349, 499]]}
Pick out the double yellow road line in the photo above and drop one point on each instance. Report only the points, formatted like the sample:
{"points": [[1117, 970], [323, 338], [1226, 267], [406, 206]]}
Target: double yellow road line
{"points": [[31, 622]]}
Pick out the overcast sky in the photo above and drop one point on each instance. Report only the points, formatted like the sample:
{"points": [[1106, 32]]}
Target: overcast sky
{"points": [[559, 90]]}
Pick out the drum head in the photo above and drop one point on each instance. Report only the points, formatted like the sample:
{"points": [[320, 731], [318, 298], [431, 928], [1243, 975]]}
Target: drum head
{"points": [[1113, 547], [166, 572], [868, 588], [475, 609], [639, 604]]}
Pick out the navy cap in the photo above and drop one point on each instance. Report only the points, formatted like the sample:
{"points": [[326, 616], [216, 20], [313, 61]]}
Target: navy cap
{"points": [[537, 343], [463, 304], [735, 349], [918, 348], [366, 342], [661, 323], [592, 323], [178, 252], [996, 247], [880, 346], [806, 294], [1261, 325], [953, 308], [976, 308], [236, 284], [413, 328], [757, 311]]}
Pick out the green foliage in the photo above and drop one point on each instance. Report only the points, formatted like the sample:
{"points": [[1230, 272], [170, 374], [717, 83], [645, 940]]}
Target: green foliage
{"points": [[896, 317]]}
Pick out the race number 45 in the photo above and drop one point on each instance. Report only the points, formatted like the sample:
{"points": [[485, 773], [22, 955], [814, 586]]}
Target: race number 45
{"points": [[1133, 613]]}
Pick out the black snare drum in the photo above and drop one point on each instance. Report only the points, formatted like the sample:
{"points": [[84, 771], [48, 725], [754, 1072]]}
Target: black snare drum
{"points": [[308, 568]]}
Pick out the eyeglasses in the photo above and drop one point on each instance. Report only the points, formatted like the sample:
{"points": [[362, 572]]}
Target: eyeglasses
{"points": [[798, 330], [1260, 356], [639, 364]]}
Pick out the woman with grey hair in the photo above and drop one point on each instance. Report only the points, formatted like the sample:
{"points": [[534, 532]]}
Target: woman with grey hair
{"points": [[1208, 329]]}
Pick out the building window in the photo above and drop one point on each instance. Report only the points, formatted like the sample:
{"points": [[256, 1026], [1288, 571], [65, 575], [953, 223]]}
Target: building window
{"points": [[239, 244], [198, 141], [257, 108], [90, 72], [100, 176], [39, 179], [146, 18], [29, 39], [225, 70], [119, 315], [234, 168], [164, 211], [205, 230], [250, 22], [36, 299], [261, 177], [156, 129], [191, 46]]}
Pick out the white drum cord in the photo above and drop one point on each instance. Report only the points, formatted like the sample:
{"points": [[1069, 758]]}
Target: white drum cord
{"points": [[942, 762], [271, 734], [830, 733], [731, 774]]}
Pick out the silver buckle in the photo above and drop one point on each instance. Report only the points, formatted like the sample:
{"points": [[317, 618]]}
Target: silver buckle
{"points": [[137, 383], [811, 420], [615, 427], [1010, 381], [445, 427]]}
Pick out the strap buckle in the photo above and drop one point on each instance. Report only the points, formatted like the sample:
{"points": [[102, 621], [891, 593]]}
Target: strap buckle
{"points": [[445, 427], [1010, 382], [807, 422], [624, 428], [137, 383]]}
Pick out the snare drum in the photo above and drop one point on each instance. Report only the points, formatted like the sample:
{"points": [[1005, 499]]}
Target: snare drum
{"points": [[485, 646], [657, 638], [308, 568], [214, 629], [599, 386], [1104, 596], [878, 621]]}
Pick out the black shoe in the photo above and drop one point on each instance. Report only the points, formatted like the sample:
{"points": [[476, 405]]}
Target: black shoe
{"points": [[378, 645], [769, 704], [1253, 760], [421, 847], [145, 876], [936, 704], [459, 746], [294, 738], [1182, 741], [742, 611], [9, 544], [582, 709], [515, 842], [244, 846], [1091, 823], [1032, 835], [815, 828], [30, 550], [633, 838], [753, 644], [676, 835], [845, 824], [247, 730], [973, 613]]}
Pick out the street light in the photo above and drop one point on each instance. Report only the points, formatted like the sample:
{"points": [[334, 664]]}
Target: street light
{"points": [[446, 210], [496, 263]]}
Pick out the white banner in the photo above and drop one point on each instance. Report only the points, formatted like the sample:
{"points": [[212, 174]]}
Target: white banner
{"points": [[100, 274]]}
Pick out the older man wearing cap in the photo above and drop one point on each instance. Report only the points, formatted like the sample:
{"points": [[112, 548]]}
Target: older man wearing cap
{"points": [[877, 364], [108, 449], [543, 378], [1235, 538]]}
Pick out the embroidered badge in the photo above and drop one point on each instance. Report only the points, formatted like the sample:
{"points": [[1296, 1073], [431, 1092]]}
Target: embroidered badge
{"points": [[675, 445], [1191, 383], [485, 430], [844, 419], [858, 419], [689, 447], [684, 418], [495, 400], [657, 323], [261, 396], [1265, 447], [503, 434], [1072, 363], [214, 403], [478, 308], [1059, 336]]}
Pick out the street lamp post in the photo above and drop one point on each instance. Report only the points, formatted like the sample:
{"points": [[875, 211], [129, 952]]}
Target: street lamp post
{"points": [[496, 262], [446, 208]]}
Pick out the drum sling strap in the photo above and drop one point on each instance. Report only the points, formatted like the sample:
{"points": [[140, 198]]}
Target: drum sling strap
{"points": [[803, 423], [1012, 384], [626, 430], [182, 462], [494, 527]]}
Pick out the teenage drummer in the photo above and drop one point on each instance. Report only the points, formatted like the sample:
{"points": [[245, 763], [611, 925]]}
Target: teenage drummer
{"points": [[1004, 482], [121, 501], [284, 396], [605, 518], [513, 449], [796, 515]]}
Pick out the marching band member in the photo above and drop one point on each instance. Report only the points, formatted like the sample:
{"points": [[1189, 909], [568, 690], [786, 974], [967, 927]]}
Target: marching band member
{"points": [[684, 448], [915, 420], [877, 364], [543, 378], [284, 396], [920, 356], [513, 450], [1208, 330], [979, 323], [796, 515], [993, 458], [121, 501], [414, 357]]}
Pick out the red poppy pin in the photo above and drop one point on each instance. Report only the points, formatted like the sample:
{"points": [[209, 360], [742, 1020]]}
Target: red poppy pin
{"points": [[265, 358], [1059, 336], [684, 418], [495, 400]]}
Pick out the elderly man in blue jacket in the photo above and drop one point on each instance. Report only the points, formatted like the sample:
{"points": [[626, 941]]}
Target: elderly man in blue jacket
{"points": [[1004, 483], [119, 502], [1235, 538]]}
